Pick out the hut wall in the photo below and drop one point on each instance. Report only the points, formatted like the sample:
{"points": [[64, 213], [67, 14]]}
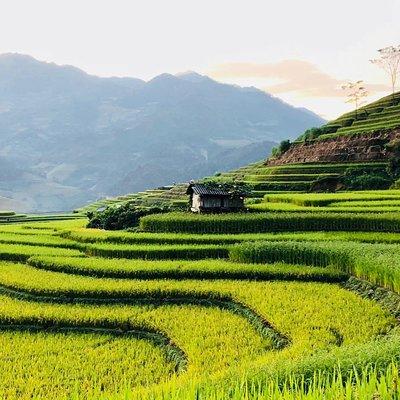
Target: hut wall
{"points": [[196, 202], [211, 202], [235, 202]]}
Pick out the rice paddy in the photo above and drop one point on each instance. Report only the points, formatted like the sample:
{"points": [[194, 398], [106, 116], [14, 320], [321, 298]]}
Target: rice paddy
{"points": [[259, 305]]}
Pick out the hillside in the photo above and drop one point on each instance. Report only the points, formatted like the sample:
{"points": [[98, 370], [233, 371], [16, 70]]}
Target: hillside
{"points": [[374, 117], [67, 137], [367, 135], [334, 161]]}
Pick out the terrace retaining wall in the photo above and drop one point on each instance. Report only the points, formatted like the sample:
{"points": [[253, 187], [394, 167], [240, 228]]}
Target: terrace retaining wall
{"points": [[357, 148]]}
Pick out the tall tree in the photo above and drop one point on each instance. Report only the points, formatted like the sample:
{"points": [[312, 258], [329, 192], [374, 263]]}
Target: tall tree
{"points": [[389, 60], [356, 93]]}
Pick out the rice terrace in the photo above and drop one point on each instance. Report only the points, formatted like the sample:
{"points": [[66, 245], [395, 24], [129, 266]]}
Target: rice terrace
{"points": [[296, 297], [297, 303], [226, 234]]}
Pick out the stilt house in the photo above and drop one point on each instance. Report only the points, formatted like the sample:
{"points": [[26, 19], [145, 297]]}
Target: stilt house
{"points": [[206, 198]]}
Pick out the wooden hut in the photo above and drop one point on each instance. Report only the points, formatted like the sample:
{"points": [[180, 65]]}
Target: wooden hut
{"points": [[206, 198]]}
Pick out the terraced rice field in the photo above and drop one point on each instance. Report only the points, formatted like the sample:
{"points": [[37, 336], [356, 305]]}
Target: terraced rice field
{"points": [[173, 195], [379, 201], [262, 179], [187, 309], [379, 115]]}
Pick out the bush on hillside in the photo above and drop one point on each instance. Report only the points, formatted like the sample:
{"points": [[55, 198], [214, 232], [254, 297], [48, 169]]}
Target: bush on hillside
{"points": [[394, 146], [283, 147], [357, 179], [396, 184], [232, 187], [314, 133], [122, 216], [393, 168]]}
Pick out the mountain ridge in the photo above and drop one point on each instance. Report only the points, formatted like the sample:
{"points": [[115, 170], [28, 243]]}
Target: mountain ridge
{"points": [[76, 137]]}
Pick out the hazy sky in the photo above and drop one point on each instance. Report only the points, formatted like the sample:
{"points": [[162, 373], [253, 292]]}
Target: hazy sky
{"points": [[299, 51]]}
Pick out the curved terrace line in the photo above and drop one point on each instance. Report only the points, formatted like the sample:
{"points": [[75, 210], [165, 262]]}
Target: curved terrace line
{"points": [[171, 351], [260, 324], [254, 275]]}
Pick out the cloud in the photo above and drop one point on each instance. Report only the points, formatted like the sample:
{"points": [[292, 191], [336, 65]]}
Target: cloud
{"points": [[294, 76]]}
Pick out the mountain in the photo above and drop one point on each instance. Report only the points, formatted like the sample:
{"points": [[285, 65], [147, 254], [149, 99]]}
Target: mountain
{"points": [[67, 137]]}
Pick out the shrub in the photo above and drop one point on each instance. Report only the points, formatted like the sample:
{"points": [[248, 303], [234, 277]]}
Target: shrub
{"points": [[396, 184], [232, 187], [314, 133], [393, 167], [283, 147], [121, 216], [361, 180]]}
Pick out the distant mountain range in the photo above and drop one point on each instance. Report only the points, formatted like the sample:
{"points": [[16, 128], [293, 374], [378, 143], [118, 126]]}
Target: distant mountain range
{"points": [[67, 137]]}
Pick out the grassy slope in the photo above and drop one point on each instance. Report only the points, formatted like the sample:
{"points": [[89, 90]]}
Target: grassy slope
{"points": [[379, 115]]}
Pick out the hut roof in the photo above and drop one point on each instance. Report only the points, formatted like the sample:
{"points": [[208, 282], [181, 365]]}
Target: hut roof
{"points": [[206, 190]]}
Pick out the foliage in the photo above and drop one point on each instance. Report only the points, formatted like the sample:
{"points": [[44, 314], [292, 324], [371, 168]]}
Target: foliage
{"points": [[313, 133], [121, 216], [393, 168], [389, 61], [355, 179], [234, 188], [396, 184], [283, 147], [355, 92]]}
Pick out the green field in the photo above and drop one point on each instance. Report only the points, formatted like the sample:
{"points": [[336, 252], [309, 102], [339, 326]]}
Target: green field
{"points": [[298, 299], [383, 114], [262, 180]]}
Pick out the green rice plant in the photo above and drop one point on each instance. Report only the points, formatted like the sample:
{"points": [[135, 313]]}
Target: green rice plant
{"points": [[242, 330], [269, 222], [287, 177], [265, 298], [49, 365], [123, 237], [376, 263], [365, 371], [38, 240], [154, 252], [204, 269], [341, 318], [324, 199], [280, 185], [56, 225], [199, 331], [288, 207], [382, 204], [21, 253]]}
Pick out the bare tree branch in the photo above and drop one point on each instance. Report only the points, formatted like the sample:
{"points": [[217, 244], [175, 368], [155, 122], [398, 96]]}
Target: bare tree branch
{"points": [[356, 93], [389, 61]]}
